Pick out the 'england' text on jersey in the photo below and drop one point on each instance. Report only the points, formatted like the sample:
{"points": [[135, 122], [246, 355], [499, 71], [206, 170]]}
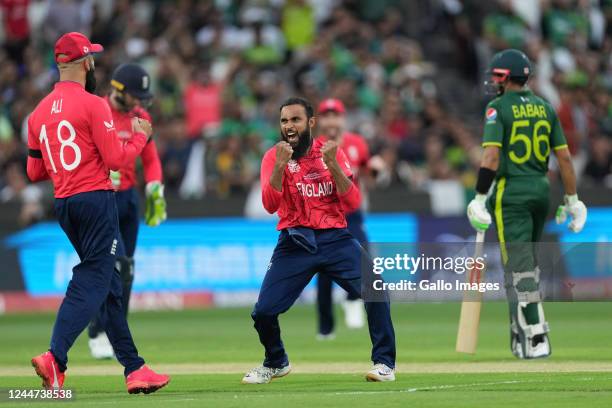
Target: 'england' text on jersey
{"points": [[316, 189], [528, 111]]}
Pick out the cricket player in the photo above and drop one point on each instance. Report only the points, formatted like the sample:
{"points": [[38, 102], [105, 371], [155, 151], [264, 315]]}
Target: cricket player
{"points": [[308, 183], [520, 132], [72, 140], [331, 121], [130, 93]]}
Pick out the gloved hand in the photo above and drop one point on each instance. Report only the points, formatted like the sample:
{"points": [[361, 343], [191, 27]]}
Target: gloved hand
{"points": [[115, 177], [576, 210], [477, 213], [155, 212]]}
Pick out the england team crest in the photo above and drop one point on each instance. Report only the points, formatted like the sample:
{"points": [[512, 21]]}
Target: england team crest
{"points": [[293, 166]]}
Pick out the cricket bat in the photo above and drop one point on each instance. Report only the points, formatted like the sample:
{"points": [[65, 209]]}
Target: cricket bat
{"points": [[469, 320]]}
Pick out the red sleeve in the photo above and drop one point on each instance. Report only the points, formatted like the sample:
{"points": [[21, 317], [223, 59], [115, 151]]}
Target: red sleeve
{"points": [[351, 199], [35, 167], [115, 153], [364, 164], [151, 163], [141, 113], [150, 158], [365, 154], [270, 197], [344, 163]]}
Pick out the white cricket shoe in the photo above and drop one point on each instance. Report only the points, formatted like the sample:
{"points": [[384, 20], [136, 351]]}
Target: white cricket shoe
{"points": [[380, 373], [537, 347], [263, 375], [100, 347], [354, 314]]}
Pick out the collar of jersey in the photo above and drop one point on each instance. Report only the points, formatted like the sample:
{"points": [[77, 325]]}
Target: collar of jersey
{"points": [[68, 83], [522, 91]]}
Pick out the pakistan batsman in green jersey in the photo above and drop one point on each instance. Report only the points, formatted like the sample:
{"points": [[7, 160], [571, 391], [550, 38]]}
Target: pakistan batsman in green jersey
{"points": [[521, 131], [525, 128]]}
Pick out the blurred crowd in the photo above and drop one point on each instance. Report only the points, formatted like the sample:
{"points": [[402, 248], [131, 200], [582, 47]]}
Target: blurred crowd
{"points": [[409, 72]]}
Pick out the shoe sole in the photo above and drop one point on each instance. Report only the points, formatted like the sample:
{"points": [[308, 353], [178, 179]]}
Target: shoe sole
{"points": [[145, 387], [273, 378], [40, 372], [373, 378]]}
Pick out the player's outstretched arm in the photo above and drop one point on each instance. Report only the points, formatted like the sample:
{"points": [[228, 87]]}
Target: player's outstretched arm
{"points": [[572, 205]]}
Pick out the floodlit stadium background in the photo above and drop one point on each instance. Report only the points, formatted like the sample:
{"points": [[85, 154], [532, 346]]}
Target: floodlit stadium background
{"points": [[410, 73]]}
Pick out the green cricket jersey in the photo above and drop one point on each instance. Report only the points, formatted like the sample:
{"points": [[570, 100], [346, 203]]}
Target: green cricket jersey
{"points": [[526, 128]]}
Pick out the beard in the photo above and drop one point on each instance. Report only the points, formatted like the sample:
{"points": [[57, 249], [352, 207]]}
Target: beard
{"points": [[90, 81], [304, 143]]}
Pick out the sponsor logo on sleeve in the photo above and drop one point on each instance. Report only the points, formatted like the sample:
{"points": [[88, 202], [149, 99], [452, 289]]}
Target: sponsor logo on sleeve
{"points": [[109, 125], [491, 115]]}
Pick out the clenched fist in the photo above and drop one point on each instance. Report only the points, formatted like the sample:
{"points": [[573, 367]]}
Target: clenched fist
{"points": [[142, 126], [284, 151], [329, 151]]}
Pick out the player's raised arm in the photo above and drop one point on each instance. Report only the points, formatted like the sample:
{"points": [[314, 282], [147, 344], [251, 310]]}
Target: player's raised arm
{"points": [[116, 153], [271, 176], [340, 169]]}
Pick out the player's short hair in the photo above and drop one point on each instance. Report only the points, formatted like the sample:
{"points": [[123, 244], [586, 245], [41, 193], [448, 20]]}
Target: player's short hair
{"points": [[296, 100]]}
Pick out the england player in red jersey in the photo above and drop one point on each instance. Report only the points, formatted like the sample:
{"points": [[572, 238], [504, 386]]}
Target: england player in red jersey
{"points": [[308, 183], [331, 123], [73, 141], [130, 93]]}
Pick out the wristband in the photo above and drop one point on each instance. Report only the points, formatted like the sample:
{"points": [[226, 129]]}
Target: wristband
{"points": [[35, 153], [485, 179]]}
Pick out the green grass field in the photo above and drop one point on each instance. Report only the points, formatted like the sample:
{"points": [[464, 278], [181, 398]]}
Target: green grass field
{"points": [[207, 351]]}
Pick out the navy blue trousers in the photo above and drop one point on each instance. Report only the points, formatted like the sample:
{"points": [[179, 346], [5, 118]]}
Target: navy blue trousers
{"points": [[325, 303], [129, 218], [339, 256], [91, 224]]}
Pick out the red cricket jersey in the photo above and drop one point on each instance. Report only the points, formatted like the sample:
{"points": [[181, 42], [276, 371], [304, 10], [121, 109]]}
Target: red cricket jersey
{"points": [[309, 197], [150, 158], [72, 131], [356, 150], [15, 14], [202, 107]]}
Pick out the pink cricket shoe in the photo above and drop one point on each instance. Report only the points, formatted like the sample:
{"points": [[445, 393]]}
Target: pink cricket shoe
{"points": [[145, 380], [46, 367]]}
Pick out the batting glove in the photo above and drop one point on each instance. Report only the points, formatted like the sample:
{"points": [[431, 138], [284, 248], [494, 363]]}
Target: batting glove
{"points": [[155, 212], [477, 213], [115, 177], [576, 210]]}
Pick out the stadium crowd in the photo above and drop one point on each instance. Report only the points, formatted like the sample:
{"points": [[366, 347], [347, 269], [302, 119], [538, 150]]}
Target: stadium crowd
{"points": [[409, 73]]}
